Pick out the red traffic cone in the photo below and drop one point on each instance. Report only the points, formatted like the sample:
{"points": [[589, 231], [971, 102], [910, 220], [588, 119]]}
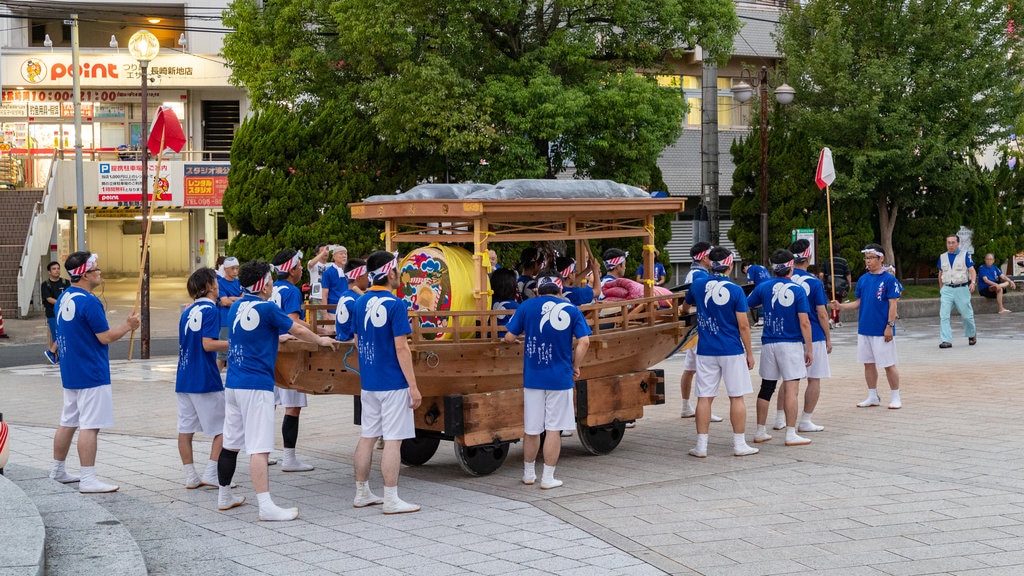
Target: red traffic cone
{"points": [[2, 333]]}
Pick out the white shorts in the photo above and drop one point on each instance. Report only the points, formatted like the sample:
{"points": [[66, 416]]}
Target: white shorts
{"points": [[249, 420], [387, 414], [819, 367], [88, 408], [782, 361], [289, 398], [875, 350], [548, 410], [712, 369], [201, 413], [690, 360]]}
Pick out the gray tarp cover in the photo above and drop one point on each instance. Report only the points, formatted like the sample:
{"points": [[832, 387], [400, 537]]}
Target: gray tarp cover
{"points": [[517, 189]]}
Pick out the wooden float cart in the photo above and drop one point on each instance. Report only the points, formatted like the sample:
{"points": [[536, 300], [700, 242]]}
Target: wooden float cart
{"points": [[472, 382]]}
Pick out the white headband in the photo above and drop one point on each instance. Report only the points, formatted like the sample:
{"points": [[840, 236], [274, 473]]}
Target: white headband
{"points": [[287, 266], [873, 251], [383, 271], [259, 285]]}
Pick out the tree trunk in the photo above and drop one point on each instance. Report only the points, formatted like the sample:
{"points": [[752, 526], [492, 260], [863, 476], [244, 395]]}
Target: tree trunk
{"points": [[887, 211]]}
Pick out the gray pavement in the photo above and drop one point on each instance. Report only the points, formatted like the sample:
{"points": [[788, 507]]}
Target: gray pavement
{"points": [[934, 488]]}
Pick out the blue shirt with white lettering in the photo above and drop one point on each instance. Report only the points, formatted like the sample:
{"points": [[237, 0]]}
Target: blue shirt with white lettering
{"points": [[874, 292], [380, 318], [757, 274], [253, 327], [197, 368], [718, 300], [782, 301], [84, 360], [510, 305], [288, 298], [548, 324], [344, 316], [815, 291]]}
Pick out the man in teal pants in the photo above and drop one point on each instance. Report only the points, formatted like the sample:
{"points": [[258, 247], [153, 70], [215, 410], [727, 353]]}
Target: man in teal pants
{"points": [[957, 279]]}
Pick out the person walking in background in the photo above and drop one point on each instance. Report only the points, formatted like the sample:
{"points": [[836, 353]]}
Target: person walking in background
{"points": [[50, 292], [551, 366], [83, 338], [197, 385], [877, 296], [957, 279], [992, 283]]}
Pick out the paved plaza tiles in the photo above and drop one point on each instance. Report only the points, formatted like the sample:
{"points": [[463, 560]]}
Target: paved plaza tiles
{"points": [[934, 488]]}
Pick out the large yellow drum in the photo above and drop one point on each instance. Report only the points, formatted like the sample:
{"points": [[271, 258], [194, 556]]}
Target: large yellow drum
{"points": [[438, 278]]}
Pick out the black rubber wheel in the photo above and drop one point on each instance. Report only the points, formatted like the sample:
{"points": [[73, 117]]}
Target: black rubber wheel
{"points": [[481, 460], [601, 439], [417, 451]]}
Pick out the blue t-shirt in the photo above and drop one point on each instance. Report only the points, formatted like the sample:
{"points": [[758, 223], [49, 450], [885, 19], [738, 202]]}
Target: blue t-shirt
{"points": [[607, 278], [527, 286], [757, 274], [781, 300], [380, 318], [254, 325], [992, 273], [230, 289], [84, 360], [511, 305], [579, 295], [718, 300], [344, 316], [288, 298], [335, 282], [659, 271], [197, 368], [952, 257], [815, 291], [696, 271], [874, 292], [549, 324]]}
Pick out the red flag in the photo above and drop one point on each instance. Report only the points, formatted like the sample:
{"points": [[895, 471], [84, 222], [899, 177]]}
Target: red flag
{"points": [[166, 127], [826, 173]]}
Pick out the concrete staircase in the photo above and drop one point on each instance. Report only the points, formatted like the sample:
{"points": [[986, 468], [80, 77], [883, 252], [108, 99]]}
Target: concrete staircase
{"points": [[17, 208]]}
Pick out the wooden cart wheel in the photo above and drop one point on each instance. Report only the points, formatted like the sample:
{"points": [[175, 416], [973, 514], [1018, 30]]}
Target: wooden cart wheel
{"points": [[417, 451], [483, 459], [601, 439]]}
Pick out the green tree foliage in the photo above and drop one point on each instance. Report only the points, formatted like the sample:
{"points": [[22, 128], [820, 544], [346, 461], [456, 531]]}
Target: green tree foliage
{"points": [[293, 173], [903, 91]]}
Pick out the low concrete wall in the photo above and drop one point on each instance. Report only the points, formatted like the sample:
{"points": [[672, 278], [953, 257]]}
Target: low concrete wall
{"points": [[925, 307]]}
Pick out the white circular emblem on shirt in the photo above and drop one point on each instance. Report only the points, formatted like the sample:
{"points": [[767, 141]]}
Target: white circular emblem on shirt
{"points": [[276, 296], [195, 319], [803, 281], [248, 318], [376, 312], [341, 312], [718, 292], [783, 295], [67, 306], [555, 314]]}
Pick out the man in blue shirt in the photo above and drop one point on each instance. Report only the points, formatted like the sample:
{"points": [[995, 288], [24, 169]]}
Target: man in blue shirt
{"points": [[786, 348], [333, 281], [614, 264], [574, 287], [551, 366], [958, 279], [199, 390], [723, 349], [659, 272], [821, 336], [876, 297], [700, 268], [287, 266], [992, 282], [229, 291], [83, 336], [255, 324], [388, 390], [345, 312], [755, 275]]}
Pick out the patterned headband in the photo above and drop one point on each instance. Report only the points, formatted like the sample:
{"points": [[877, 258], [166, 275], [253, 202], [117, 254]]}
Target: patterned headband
{"points": [[85, 266], [613, 262], [383, 270], [355, 273], [287, 266], [702, 255], [568, 270], [259, 285], [803, 256], [723, 264], [782, 268], [543, 280]]}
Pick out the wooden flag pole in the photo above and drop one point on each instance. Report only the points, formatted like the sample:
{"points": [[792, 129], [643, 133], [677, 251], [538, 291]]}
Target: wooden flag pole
{"points": [[145, 244], [831, 256]]}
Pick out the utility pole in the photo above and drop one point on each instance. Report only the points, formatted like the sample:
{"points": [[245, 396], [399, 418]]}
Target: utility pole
{"points": [[709, 146]]}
